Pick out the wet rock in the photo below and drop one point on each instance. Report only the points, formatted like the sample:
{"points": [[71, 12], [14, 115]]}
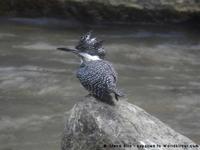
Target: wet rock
{"points": [[180, 5], [93, 125], [107, 11], [32, 8]]}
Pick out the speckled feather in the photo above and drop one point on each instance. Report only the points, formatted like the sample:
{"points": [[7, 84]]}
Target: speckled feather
{"points": [[99, 78]]}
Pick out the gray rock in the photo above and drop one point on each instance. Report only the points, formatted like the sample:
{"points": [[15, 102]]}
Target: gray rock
{"points": [[93, 125], [179, 5], [107, 11]]}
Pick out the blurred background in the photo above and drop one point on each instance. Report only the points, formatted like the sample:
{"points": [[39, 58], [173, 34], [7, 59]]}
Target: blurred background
{"points": [[153, 44]]}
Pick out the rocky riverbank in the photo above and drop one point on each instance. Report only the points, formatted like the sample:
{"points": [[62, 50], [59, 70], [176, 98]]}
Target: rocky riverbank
{"points": [[98, 11]]}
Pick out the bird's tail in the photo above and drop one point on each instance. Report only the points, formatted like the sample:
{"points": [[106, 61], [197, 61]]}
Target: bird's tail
{"points": [[118, 93]]}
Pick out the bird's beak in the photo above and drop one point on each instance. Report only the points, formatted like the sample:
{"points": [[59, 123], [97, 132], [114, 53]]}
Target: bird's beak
{"points": [[68, 50]]}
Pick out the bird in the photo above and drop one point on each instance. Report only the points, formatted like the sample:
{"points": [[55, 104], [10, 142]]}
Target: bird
{"points": [[96, 74]]}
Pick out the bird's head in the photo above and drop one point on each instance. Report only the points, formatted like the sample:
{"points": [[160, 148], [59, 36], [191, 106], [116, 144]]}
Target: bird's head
{"points": [[88, 48]]}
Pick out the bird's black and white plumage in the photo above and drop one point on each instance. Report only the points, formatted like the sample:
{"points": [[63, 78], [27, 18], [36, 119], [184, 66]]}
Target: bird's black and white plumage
{"points": [[96, 74]]}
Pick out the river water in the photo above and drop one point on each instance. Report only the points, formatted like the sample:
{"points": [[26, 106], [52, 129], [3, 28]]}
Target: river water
{"points": [[158, 67]]}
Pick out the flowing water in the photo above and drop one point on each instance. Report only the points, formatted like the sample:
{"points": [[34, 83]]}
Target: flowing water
{"points": [[158, 66]]}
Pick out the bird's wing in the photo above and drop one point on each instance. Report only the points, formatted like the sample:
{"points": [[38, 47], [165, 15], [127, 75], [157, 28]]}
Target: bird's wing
{"points": [[111, 85], [112, 71], [99, 74]]}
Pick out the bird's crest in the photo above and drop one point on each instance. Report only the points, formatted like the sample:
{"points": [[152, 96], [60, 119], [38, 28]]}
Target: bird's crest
{"points": [[91, 45]]}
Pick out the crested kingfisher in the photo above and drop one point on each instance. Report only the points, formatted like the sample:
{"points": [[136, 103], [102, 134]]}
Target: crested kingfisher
{"points": [[95, 73]]}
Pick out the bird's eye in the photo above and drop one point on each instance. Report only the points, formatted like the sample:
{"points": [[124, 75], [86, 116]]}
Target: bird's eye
{"points": [[87, 37], [82, 38]]}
